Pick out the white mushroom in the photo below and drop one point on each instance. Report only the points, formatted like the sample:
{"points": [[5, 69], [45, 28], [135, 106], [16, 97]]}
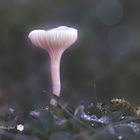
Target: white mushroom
{"points": [[55, 41]]}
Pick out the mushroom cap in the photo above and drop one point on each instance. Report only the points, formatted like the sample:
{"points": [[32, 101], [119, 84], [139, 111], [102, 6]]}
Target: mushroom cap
{"points": [[56, 39]]}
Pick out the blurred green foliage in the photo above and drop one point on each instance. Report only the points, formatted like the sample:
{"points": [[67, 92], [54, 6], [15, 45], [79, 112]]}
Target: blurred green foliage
{"points": [[114, 122], [108, 54]]}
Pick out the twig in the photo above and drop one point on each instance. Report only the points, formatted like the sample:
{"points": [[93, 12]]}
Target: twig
{"points": [[68, 112]]}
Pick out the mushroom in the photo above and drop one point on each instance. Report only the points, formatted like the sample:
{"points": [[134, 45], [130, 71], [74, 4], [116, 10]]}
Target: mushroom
{"points": [[55, 41]]}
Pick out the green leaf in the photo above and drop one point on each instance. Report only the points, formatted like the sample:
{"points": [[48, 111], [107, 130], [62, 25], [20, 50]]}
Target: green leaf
{"points": [[61, 136], [41, 125]]}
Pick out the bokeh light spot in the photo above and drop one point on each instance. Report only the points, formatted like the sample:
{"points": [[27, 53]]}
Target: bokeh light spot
{"points": [[109, 12], [120, 39]]}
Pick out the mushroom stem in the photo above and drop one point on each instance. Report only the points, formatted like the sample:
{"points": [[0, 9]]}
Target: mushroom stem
{"points": [[55, 75]]}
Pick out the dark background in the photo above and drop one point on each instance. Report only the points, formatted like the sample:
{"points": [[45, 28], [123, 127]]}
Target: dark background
{"points": [[107, 51]]}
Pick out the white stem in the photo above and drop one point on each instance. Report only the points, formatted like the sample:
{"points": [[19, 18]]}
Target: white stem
{"points": [[55, 75]]}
